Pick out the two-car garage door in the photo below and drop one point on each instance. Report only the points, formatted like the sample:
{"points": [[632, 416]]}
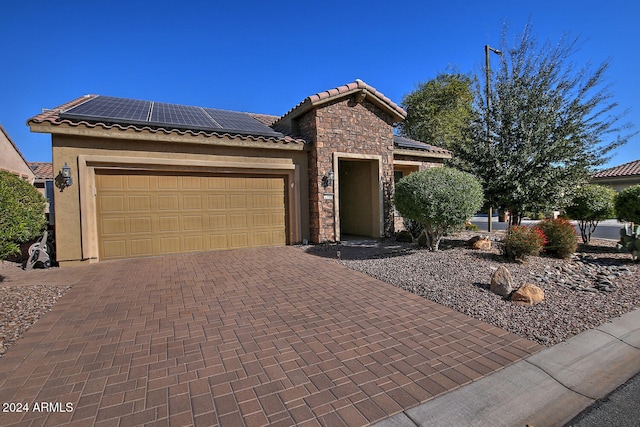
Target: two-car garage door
{"points": [[154, 214]]}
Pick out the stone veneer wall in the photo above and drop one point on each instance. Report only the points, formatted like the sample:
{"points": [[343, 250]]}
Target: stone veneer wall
{"points": [[306, 128], [345, 126]]}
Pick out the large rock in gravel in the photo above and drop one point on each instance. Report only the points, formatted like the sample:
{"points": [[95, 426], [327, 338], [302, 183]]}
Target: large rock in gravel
{"points": [[477, 242], [501, 282], [528, 294]]}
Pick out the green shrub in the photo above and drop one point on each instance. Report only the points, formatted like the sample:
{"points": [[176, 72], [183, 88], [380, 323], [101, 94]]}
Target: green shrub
{"points": [[561, 237], [627, 204], [522, 241], [404, 236], [441, 199], [591, 204], [21, 213], [534, 215]]}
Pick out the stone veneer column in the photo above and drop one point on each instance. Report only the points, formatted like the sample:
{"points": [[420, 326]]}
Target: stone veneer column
{"points": [[345, 126]]}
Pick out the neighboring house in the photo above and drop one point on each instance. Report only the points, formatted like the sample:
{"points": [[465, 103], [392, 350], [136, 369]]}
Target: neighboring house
{"points": [[38, 174], [11, 159], [151, 178], [43, 181], [619, 177]]}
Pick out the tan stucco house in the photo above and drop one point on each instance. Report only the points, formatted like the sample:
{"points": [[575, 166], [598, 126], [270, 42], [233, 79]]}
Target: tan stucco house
{"points": [[619, 177], [152, 178], [11, 159]]}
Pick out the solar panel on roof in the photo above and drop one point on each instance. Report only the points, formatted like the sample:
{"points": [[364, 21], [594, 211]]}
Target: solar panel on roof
{"points": [[131, 111], [233, 120], [181, 116], [410, 143], [111, 109]]}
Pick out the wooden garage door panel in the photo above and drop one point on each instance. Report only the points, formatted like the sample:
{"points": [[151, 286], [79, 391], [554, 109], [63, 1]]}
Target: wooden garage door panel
{"points": [[145, 215]]}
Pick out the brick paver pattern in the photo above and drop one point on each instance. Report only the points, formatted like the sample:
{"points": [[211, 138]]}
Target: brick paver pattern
{"points": [[252, 337]]}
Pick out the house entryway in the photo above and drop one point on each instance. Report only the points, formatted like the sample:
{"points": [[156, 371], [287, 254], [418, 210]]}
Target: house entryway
{"points": [[358, 197]]}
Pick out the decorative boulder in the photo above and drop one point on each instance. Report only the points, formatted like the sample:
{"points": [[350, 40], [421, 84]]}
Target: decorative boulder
{"points": [[501, 282], [528, 294], [469, 243], [478, 242]]}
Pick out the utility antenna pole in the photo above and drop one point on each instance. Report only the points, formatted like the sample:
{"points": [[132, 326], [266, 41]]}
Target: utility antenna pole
{"points": [[488, 49]]}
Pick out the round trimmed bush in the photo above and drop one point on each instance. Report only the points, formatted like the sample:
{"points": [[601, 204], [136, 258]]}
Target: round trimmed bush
{"points": [[441, 199], [561, 237], [627, 204], [404, 236]]}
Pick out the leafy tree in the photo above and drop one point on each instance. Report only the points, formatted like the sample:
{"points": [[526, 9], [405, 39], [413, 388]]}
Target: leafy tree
{"points": [[21, 213], [627, 204], [441, 199], [550, 124], [591, 204], [439, 112]]}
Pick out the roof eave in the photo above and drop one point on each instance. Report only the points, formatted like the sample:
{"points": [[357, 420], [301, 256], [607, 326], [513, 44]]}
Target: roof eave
{"points": [[146, 133], [370, 94], [421, 153], [616, 178]]}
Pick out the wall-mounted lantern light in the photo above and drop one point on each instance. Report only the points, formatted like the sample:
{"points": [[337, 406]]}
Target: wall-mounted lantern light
{"points": [[327, 180], [63, 179]]}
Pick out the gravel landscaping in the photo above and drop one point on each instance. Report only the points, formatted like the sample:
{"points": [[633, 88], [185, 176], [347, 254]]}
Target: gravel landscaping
{"points": [[21, 307], [595, 285]]}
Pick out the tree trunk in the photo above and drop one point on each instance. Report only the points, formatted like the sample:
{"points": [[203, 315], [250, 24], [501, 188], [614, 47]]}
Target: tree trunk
{"points": [[515, 217], [583, 231]]}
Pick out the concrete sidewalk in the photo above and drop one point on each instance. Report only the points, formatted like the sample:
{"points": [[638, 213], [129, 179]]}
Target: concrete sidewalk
{"points": [[547, 389]]}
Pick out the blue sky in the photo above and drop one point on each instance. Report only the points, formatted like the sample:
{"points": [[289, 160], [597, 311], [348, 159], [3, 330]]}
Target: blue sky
{"points": [[265, 56]]}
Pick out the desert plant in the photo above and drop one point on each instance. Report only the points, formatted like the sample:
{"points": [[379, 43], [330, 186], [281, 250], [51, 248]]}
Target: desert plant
{"points": [[627, 204], [591, 204], [404, 236], [413, 227], [522, 241], [630, 240], [423, 240], [441, 199], [21, 213], [561, 237], [469, 226]]}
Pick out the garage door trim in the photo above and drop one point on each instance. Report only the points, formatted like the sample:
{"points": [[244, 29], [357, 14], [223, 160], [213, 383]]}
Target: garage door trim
{"points": [[87, 166]]}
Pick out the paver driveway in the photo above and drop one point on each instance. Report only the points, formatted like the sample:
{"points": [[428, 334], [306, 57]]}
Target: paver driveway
{"points": [[247, 337]]}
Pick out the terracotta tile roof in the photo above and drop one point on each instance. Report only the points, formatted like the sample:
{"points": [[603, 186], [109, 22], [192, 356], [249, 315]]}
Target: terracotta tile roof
{"points": [[345, 90], [42, 170], [52, 117], [410, 144], [624, 170]]}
